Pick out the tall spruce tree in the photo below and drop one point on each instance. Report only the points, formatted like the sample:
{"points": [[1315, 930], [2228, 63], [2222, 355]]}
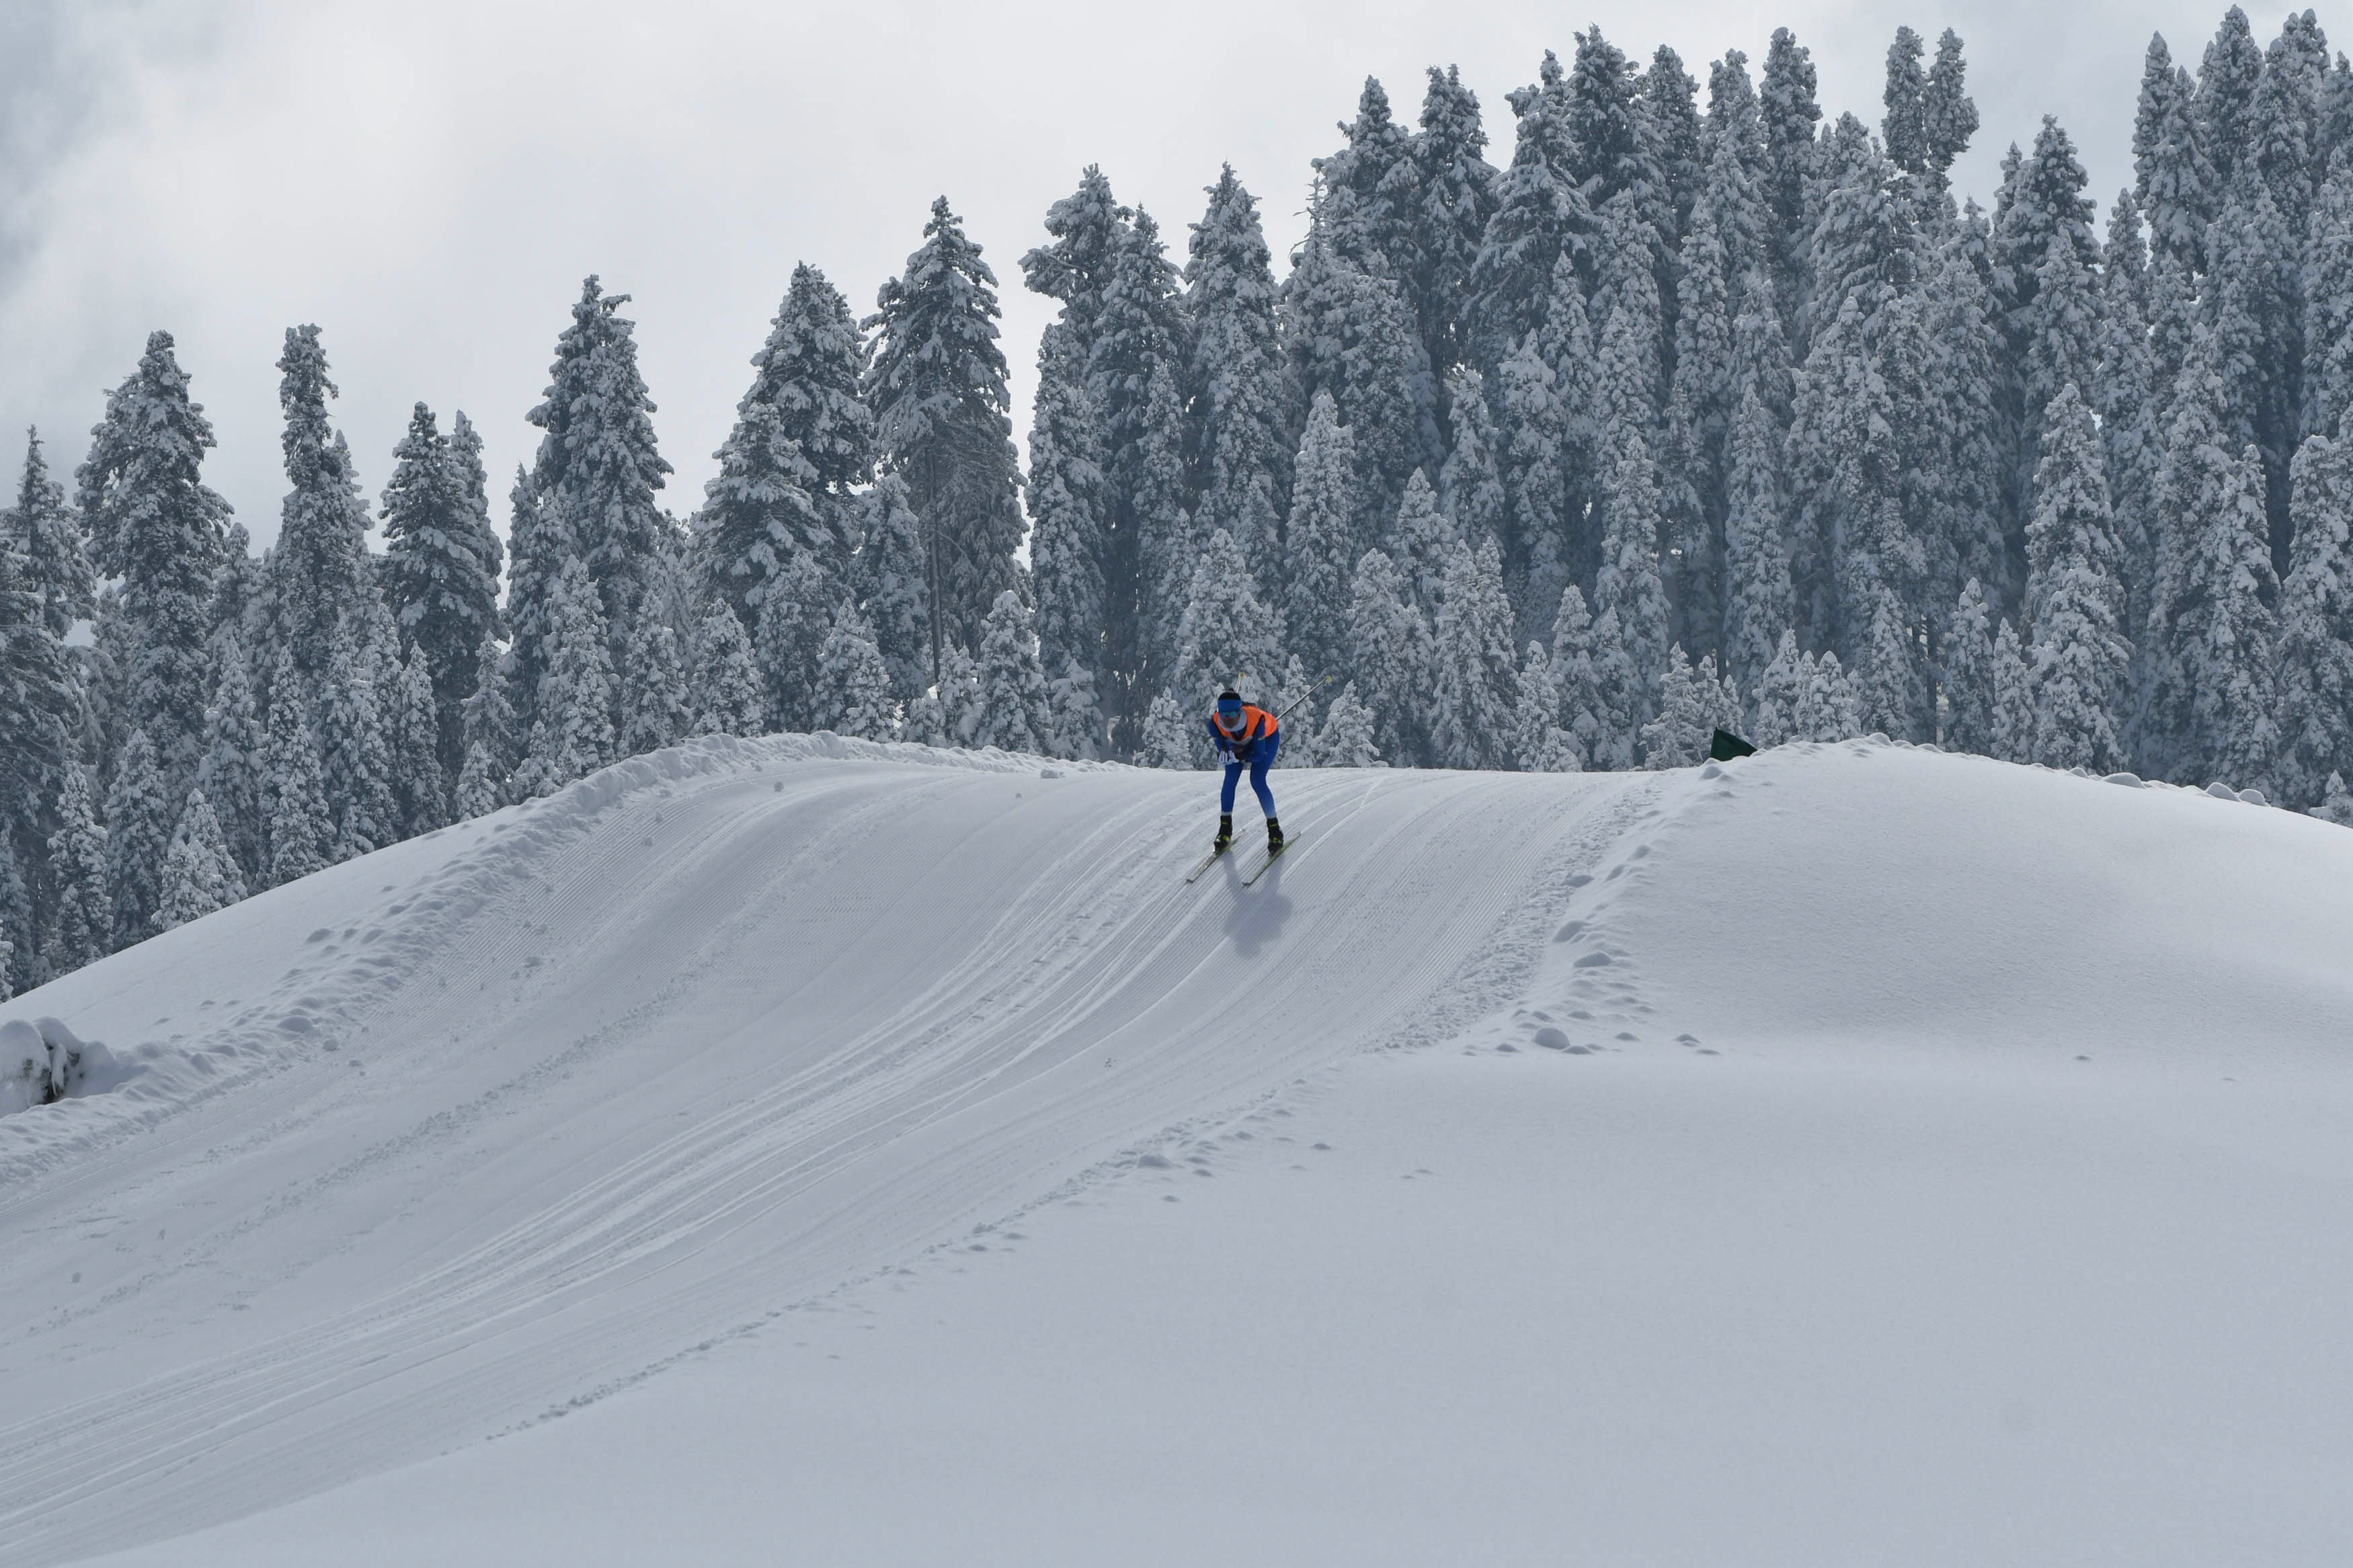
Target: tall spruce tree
{"points": [[1241, 428], [200, 874], [320, 564], [2081, 660], [156, 526], [83, 923], [598, 465], [1457, 189], [889, 579], [236, 761], [802, 442], [441, 564], [1067, 496], [936, 384], [1321, 547], [302, 823], [44, 529]]}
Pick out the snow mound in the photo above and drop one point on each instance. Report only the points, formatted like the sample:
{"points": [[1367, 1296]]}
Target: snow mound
{"points": [[1766, 1087]]}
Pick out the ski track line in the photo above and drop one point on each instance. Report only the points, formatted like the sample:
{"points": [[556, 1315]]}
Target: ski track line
{"points": [[1089, 1009]]}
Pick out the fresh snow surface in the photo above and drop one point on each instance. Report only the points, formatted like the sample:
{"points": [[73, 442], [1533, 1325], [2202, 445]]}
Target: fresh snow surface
{"points": [[1852, 1155]]}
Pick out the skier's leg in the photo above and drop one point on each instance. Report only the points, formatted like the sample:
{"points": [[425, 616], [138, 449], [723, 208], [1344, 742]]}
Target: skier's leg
{"points": [[1226, 795], [1259, 765]]}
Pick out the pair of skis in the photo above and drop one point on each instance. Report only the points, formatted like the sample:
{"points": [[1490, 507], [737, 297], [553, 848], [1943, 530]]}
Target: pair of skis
{"points": [[1257, 868]]}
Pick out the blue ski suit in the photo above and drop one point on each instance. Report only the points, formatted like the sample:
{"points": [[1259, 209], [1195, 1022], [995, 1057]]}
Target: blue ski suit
{"points": [[1253, 745]]}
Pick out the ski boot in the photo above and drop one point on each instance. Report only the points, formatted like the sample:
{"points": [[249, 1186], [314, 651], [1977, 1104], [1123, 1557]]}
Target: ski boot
{"points": [[1273, 837], [1225, 836]]}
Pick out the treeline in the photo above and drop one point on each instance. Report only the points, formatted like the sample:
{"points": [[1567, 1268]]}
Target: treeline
{"points": [[1687, 414]]}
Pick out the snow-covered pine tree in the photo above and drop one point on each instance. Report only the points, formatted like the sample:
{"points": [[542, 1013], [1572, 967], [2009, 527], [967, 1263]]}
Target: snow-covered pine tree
{"points": [[236, 758], [936, 384], [889, 577], [81, 929], [1066, 503], [139, 822], [491, 723], [2081, 661], [412, 730], [2172, 180], [319, 565], [1353, 336], [572, 736], [1579, 684], [2211, 627], [1968, 675], [1456, 186], [794, 615], [200, 876], [441, 564], [1470, 485], [1757, 607], [1320, 546], [44, 529], [1628, 589], [2327, 283], [1074, 719], [1679, 736], [1534, 429], [1369, 195], [1389, 651], [960, 698], [1780, 689], [1423, 541], [2014, 697], [2043, 254], [655, 709], [1539, 216], [1013, 714], [1171, 735], [2316, 640], [1930, 118], [39, 708], [2124, 395], [1539, 741], [478, 785], [1127, 328], [1473, 676], [155, 526], [1621, 697], [1346, 738], [538, 545], [302, 823], [853, 686], [354, 749], [1240, 416], [1788, 113], [727, 686], [598, 465], [1814, 713], [803, 441], [1228, 634]]}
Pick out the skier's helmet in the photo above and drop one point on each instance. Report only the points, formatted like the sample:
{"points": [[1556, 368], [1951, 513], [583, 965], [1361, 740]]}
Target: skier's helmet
{"points": [[1230, 709]]}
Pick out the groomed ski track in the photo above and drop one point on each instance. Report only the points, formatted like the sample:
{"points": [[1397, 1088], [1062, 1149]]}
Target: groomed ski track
{"points": [[477, 1129]]}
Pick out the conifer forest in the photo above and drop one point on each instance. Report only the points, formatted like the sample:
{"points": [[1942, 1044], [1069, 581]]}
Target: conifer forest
{"points": [[1566, 437]]}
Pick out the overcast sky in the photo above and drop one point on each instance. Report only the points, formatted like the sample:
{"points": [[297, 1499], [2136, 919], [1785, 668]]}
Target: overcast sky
{"points": [[429, 181]]}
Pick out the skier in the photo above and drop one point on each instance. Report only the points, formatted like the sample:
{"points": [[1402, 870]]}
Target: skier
{"points": [[1248, 736]]}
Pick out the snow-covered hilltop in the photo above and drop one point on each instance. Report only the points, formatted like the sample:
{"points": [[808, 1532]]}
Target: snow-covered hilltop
{"points": [[1852, 1154]]}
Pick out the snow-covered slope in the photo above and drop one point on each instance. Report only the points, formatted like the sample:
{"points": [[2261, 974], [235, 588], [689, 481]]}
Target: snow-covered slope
{"points": [[1850, 1154]]}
